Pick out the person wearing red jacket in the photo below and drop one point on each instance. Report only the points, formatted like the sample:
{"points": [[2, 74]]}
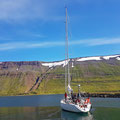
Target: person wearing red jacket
{"points": [[65, 96]]}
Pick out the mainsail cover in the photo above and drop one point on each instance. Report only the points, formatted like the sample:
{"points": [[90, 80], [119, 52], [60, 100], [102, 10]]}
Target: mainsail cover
{"points": [[69, 89]]}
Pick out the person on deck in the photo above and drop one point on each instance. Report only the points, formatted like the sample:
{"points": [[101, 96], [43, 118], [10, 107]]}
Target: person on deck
{"points": [[72, 96], [65, 96], [78, 95], [88, 100], [77, 101]]}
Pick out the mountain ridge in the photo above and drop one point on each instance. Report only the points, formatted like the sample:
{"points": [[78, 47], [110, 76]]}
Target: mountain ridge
{"points": [[36, 77]]}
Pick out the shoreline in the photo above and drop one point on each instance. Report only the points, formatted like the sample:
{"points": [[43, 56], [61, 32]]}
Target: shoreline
{"points": [[100, 95]]}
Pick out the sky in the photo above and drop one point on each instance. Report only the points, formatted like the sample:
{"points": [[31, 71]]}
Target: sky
{"points": [[34, 30]]}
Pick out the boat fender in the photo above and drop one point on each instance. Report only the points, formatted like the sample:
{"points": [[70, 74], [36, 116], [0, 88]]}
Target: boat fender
{"points": [[81, 106]]}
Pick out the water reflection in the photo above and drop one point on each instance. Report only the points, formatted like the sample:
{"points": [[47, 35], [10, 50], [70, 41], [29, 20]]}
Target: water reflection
{"points": [[40, 113], [30, 113], [55, 113], [76, 116]]}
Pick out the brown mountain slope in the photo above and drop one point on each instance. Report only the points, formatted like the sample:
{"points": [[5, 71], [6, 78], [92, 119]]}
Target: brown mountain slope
{"points": [[95, 74]]}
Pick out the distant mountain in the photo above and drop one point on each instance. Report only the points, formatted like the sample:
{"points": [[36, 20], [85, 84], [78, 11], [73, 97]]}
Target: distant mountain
{"points": [[83, 59], [96, 74]]}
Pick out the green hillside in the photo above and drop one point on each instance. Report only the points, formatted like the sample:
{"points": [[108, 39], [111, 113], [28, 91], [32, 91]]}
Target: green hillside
{"points": [[28, 78], [93, 78]]}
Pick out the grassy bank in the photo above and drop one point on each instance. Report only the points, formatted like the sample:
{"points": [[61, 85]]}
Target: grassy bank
{"points": [[92, 85], [107, 85], [94, 77]]}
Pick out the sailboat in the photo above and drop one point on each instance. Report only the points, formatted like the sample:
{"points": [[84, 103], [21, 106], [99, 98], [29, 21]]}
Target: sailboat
{"points": [[71, 102]]}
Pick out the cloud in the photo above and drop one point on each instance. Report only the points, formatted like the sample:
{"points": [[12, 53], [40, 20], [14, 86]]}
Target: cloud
{"points": [[18, 10], [102, 41], [10, 46], [96, 42], [86, 42], [26, 45]]}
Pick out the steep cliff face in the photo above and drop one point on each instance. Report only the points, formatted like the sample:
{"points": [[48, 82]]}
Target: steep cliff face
{"points": [[36, 77], [18, 77]]}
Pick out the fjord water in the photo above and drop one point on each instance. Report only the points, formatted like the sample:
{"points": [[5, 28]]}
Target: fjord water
{"points": [[47, 107]]}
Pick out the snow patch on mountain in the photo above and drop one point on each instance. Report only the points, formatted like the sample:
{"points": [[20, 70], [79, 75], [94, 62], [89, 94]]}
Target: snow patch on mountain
{"points": [[89, 58], [118, 58], [64, 63], [53, 64], [108, 57]]}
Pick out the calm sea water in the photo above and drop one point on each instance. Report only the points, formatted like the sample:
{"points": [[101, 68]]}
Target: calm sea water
{"points": [[47, 107]]}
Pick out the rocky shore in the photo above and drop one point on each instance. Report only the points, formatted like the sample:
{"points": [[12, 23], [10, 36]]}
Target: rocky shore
{"points": [[103, 95]]}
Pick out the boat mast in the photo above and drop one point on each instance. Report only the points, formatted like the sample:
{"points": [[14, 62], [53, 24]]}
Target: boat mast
{"points": [[66, 51], [67, 71]]}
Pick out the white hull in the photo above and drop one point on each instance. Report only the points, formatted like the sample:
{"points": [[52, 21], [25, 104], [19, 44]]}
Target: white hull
{"points": [[74, 107]]}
